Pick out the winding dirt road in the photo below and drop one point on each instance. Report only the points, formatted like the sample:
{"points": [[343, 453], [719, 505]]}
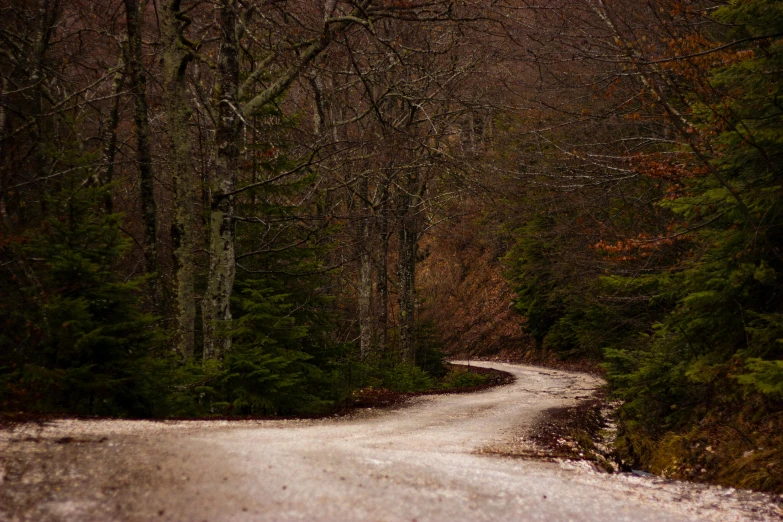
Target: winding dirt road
{"points": [[433, 460]]}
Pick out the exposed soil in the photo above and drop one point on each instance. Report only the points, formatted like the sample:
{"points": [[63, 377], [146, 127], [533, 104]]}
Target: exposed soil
{"points": [[581, 432]]}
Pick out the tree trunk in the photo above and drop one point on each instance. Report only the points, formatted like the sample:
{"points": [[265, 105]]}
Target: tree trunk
{"points": [[381, 272], [106, 176], [216, 307], [48, 13], [406, 269], [176, 56], [138, 89], [365, 271]]}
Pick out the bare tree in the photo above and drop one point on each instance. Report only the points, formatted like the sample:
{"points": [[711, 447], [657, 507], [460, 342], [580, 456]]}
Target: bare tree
{"points": [[235, 107], [137, 83], [178, 52]]}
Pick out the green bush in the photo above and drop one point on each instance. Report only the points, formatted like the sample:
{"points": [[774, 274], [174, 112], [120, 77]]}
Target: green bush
{"points": [[459, 377], [74, 336]]}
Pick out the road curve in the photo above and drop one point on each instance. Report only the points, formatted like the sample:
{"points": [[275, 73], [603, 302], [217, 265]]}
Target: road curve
{"points": [[424, 462]]}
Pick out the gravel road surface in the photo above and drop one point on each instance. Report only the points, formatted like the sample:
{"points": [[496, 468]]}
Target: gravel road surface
{"points": [[436, 459]]}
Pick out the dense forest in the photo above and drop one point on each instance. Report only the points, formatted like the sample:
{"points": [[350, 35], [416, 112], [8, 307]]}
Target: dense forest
{"points": [[257, 207]]}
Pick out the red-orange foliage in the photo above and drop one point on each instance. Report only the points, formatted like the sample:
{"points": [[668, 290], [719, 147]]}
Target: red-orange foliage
{"points": [[463, 277]]}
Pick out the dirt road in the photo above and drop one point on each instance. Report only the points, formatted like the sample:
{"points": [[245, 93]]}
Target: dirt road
{"points": [[427, 461]]}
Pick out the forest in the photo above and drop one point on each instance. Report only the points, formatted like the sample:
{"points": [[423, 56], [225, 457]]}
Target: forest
{"points": [[230, 208]]}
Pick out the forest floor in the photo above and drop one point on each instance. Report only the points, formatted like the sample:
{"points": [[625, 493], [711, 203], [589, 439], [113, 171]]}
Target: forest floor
{"points": [[440, 457]]}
